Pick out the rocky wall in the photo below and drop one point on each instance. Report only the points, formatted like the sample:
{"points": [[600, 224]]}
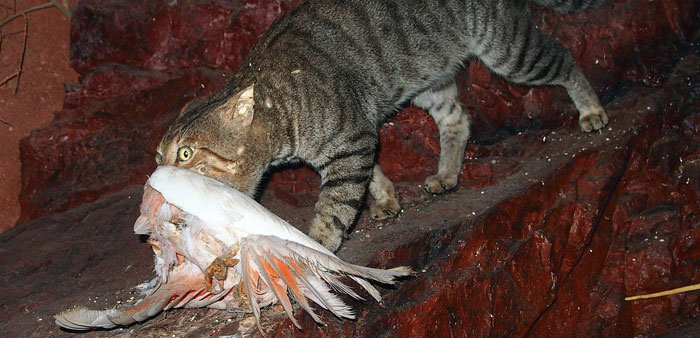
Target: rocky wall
{"points": [[124, 53], [549, 230]]}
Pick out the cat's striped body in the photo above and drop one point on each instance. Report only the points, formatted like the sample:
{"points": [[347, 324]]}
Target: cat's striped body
{"points": [[321, 81]]}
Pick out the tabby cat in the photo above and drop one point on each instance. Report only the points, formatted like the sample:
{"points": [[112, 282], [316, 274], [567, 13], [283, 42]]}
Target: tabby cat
{"points": [[325, 76]]}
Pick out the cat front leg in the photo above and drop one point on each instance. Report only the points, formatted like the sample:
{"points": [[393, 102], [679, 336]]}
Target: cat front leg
{"points": [[345, 176]]}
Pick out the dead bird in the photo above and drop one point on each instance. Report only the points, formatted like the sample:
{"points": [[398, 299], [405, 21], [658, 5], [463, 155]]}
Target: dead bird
{"points": [[216, 247]]}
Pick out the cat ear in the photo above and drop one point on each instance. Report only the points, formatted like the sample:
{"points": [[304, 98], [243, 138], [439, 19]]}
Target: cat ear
{"points": [[189, 106], [239, 109]]}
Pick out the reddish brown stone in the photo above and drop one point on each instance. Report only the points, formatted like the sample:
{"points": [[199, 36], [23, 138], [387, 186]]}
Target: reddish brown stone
{"points": [[549, 230], [162, 37], [109, 80], [92, 150], [169, 35], [551, 249], [618, 44]]}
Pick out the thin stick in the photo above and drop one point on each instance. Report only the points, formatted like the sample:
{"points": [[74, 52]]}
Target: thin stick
{"points": [[25, 12], [66, 12], [666, 293], [8, 79], [24, 52], [6, 123], [12, 33], [67, 5], [64, 9]]}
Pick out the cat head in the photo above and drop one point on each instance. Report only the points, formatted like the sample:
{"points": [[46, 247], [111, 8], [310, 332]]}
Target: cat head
{"points": [[218, 138]]}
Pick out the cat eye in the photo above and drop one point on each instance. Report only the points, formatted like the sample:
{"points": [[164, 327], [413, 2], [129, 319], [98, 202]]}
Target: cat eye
{"points": [[184, 153], [159, 158]]}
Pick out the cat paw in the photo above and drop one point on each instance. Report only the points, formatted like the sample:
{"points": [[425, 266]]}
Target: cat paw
{"points": [[593, 120], [326, 234], [386, 208], [438, 184]]}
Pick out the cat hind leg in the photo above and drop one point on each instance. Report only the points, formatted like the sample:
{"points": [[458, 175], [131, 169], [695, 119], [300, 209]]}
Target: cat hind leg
{"points": [[385, 203], [524, 54], [442, 103]]}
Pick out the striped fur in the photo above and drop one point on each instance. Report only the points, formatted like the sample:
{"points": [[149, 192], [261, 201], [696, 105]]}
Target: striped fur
{"points": [[569, 5], [328, 74]]}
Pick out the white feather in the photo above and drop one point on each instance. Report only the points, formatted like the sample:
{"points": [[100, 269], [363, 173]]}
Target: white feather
{"points": [[192, 220], [225, 210], [315, 277], [81, 318]]}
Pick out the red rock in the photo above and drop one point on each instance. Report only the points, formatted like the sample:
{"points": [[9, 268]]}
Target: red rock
{"points": [[92, 150], [109, 80], [409, 146], [167, 36], [549, 230]]}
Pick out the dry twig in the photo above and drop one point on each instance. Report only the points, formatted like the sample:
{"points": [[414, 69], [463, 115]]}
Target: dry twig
{"points": [[26, 11], [24, 52], [7, 79], [6, 123], [665, 293], [65, 10]]}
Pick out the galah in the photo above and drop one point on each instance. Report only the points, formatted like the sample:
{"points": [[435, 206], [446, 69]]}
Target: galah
{"points": [[215, 246]]}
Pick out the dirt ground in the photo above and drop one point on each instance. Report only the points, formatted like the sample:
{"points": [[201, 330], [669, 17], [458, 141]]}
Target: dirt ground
{"points": [[40, 91]]}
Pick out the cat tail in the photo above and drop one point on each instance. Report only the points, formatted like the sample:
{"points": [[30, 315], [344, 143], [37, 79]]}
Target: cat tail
{"points": [[569, 5], [180, 291], [269, 263]]}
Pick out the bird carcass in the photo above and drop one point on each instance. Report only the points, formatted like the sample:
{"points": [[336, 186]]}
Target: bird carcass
{"points": [[216, 247]]}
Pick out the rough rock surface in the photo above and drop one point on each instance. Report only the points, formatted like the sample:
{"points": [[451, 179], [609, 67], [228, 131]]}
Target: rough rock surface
{"points": [[40, 92], [549, 230], [126, 54], [98, 148]]}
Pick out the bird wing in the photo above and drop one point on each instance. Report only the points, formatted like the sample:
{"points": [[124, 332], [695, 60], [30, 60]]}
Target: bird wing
{"points": [[269, 263], [185, 288]]}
